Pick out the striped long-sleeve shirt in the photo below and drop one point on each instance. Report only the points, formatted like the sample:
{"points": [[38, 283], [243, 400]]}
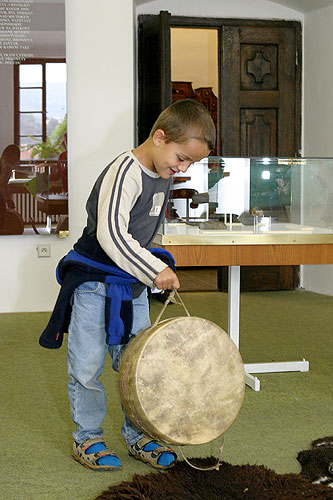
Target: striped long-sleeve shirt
{"points": [[125, 209]]}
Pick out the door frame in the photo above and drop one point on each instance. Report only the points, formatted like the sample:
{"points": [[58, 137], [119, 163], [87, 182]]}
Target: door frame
{"points": [[219, 23]]}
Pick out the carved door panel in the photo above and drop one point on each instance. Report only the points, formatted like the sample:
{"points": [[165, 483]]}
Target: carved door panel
{"points": [[260, 115], [259, 91]]}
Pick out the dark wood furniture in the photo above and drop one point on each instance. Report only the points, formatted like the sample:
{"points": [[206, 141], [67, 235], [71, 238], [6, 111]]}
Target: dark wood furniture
{"points": [[205, 95]]}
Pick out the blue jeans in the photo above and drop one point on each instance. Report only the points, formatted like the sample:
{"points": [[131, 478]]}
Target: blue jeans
{"points": [[87, 349]]}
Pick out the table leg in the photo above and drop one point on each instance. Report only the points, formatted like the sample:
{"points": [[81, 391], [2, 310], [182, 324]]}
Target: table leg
{"points": [[233, 303], [233, 329], [233, 317]]}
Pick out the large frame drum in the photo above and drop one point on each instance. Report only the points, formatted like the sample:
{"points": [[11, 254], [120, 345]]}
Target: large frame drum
{"points": [[182, 381]]}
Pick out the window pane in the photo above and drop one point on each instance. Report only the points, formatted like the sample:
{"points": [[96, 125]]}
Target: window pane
{"points": [[56, 79], [31, 124], [29, 141], [31, 75], [27, 146], [31, 100], [56, 72]]}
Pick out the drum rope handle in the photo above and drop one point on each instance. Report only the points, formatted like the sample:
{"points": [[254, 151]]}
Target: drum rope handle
{"points": [[180, 302], [171, 297], [213, 467]]}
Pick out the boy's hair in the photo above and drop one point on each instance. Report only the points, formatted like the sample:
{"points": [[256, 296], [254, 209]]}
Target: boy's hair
{"points": [[186, 119]]}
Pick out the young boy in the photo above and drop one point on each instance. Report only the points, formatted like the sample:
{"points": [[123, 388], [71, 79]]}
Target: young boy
{"points": [[125, 209]]}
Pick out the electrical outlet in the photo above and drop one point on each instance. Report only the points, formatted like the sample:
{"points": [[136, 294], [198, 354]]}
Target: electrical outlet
{"points": [[43, 251]]}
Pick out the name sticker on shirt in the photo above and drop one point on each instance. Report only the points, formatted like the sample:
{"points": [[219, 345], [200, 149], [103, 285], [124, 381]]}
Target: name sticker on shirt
{"points": [[157, 204]]}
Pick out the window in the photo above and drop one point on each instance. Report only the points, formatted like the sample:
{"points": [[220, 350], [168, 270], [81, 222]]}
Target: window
{"points": [[39, 100]]}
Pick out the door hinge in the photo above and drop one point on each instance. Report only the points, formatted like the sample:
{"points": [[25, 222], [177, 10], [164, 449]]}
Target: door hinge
{"points": [[296, 56]]}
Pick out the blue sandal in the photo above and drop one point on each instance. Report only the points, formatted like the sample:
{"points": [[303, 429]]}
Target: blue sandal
{"points": [[94, 454], [153, 454]]}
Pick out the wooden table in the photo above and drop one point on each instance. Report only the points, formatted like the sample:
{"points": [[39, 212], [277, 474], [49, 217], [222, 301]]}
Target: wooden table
{"points": [[52, 205], [16, 186], [236, 255]]}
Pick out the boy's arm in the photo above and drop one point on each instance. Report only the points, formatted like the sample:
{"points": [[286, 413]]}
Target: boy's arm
{"points": [[118, 194]]}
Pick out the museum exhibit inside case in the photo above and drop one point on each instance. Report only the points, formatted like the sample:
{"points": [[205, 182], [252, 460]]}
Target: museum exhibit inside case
{"points": [[244, 201]]}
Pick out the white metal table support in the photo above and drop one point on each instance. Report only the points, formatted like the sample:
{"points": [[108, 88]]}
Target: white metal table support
{"points": [[233, 329]]}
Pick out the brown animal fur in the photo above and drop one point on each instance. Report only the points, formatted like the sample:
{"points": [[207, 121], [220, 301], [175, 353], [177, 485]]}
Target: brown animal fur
{"points": [[317, 463], [231, 482]]}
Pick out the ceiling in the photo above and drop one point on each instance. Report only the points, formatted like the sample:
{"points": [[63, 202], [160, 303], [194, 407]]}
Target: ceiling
{"points": [[299, 5], [304, 5]]}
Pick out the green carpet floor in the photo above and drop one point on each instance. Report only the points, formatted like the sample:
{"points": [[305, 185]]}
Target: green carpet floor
{"points": [[290, 411]]}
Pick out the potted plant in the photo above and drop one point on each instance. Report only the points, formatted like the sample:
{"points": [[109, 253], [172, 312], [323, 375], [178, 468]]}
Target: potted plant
{"points": [[52, 147]]}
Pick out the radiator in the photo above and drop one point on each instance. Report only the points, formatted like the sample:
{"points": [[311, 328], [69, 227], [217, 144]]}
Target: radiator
{"points": [[26, 206]]}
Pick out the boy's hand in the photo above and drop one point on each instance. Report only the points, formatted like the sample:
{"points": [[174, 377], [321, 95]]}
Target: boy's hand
{"points": [[166, 280]]}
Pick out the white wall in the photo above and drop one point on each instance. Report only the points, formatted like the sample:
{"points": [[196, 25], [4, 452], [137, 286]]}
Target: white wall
{"points": [[194, 57], [100, 109], [100, 59], [318, 88], [259, 9], [318, 113]]}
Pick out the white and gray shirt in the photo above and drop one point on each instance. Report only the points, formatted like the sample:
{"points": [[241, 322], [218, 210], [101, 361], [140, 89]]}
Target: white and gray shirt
{"points": [[125, 210]]}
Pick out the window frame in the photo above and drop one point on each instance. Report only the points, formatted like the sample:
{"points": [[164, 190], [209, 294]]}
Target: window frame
{"points": [[17, 88]]}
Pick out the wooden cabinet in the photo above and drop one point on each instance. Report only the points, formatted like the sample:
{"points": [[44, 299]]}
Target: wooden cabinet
{"points": [[209, 99], [205, 95], [183, 90]]}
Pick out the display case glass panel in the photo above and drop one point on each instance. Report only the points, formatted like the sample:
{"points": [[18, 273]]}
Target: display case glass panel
{"points": [[223, 200]]}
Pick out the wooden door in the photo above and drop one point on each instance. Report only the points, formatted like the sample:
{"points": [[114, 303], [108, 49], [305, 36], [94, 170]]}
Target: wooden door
{"points": [[259, 108], [154, 71], [260, 115]]}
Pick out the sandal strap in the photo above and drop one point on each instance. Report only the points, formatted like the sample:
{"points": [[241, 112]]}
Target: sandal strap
{"points": [[141, 443], [89, 442], [92, 458]]}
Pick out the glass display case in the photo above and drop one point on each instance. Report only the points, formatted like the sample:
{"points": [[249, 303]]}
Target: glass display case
{"points": [[224, 200]]}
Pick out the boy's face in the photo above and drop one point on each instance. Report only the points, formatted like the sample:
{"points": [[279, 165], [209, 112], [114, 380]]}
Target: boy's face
{"points": [[170, 158]]}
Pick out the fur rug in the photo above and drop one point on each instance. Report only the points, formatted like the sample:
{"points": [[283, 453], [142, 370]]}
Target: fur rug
{"points": [[231, 482], [317, 463]]}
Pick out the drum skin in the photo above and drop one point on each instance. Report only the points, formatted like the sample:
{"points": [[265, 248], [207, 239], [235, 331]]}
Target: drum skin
{"points": [[182, 381]]}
